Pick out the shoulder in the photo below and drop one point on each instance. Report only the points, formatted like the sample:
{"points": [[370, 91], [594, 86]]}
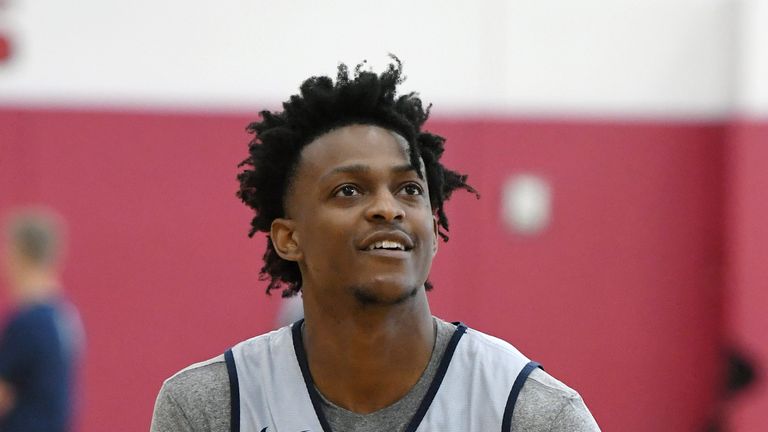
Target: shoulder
{"points": [[545, 403], [32, 314], [499, 360], [196, 395], [45, 313], [477, 340], [201, 382], [31, 323], [494, 345]]}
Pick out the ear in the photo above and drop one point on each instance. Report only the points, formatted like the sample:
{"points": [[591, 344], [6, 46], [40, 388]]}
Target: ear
{"points": [[436, 236], [285, 239]]}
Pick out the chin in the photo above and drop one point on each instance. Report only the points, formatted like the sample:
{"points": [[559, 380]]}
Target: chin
{"points": [[385, 294]]}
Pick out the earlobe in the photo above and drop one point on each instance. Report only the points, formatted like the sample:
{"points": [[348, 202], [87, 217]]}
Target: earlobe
{"points": [[285, 239]]}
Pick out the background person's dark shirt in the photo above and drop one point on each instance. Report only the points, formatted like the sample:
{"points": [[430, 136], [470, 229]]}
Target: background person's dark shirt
{"points": [[38, 351]]}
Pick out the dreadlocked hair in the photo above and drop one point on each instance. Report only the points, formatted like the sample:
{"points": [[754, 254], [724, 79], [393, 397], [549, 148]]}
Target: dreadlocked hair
{"points": [[320, 107]]}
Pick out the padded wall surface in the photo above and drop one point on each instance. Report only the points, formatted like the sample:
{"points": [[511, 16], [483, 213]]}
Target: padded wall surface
{"points": [[619, 297]]}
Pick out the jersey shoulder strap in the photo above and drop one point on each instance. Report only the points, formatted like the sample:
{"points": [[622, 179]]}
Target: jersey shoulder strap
{"points": [[480, 387], [268, 391], [475, 388]]}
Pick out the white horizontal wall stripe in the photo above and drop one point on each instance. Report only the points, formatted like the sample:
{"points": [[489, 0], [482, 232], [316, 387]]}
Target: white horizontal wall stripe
{"points": [[627, 56], [548, 57], [752, 96]]}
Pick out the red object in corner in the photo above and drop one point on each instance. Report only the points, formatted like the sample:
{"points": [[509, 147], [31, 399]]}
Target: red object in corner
{"points": [[5, 48]]}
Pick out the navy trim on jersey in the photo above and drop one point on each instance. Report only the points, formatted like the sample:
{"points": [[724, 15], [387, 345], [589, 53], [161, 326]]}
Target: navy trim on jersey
{"points": [[506, 423], [314, 396], [438, 379], [301, 355], [234, 391]]}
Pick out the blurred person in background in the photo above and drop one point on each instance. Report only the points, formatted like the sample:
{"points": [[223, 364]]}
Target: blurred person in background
{"points": [[42, 338], [351, 192], [291, 310]]}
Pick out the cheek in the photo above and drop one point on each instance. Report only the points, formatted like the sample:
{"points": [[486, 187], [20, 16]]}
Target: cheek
{"points": [[429, 239], [325, 239]]}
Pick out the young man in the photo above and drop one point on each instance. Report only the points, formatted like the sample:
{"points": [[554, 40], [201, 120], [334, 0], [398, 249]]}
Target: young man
{"points": [[42, 340], [351, 192]]}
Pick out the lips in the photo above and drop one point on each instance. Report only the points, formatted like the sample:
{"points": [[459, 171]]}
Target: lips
{"points": [[387, 240]]}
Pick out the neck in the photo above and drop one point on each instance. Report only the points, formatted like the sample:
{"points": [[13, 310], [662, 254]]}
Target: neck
{"points": [[371, 356], [36, 286]]}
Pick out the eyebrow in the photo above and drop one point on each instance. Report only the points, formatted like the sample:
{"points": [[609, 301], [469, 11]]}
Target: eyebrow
{"points": [[359, 169]]}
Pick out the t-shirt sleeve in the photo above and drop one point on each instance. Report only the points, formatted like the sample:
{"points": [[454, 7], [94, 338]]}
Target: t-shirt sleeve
{"points": [[574, 417], [168, 415], [195, 399], [547, 405]]}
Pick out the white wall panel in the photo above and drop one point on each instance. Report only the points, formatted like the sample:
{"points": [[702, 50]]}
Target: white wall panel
{"points": [[752, 97], [235, 53], [648, 57], [622, 57]]}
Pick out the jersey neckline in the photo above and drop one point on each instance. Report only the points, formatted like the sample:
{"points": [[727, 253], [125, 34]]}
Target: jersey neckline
{"points": [[314, 395]]}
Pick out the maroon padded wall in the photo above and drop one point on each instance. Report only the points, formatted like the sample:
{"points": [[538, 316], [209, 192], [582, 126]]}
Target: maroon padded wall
{"points": [[747, 276], [619, 297]]}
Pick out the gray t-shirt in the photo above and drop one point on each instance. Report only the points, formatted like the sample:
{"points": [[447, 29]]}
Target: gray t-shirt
{"points": [[197, 399]]}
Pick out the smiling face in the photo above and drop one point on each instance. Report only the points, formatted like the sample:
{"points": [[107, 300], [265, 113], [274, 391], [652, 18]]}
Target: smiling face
{"points": [[358, 218]]}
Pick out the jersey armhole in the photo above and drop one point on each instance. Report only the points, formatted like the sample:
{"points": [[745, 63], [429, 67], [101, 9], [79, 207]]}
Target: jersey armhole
{"points": [[506, 423], [234, 391], [442, 369]]}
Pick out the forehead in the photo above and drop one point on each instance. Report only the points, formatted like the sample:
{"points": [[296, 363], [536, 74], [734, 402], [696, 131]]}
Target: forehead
{"points": [[366, 145]]}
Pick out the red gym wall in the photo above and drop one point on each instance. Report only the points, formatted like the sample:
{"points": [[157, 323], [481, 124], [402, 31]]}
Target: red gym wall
{"points": [[746, 285], [622, 297]]}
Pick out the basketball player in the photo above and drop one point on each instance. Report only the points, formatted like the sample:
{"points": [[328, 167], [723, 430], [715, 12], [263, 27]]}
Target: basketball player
{"points": [[351, 190]]}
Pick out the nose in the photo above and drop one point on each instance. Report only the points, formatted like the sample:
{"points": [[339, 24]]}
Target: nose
{"points": [[384, 207]]}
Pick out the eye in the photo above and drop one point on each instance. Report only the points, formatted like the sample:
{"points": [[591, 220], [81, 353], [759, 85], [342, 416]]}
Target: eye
{"points": [[412, 189], [347, 190]]}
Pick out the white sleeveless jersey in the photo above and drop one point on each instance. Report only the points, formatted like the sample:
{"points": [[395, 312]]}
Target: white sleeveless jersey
{"points": [[474, 389]]}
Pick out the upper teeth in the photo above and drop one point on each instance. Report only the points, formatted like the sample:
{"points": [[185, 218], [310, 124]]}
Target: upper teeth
{"points": [[386, 244]]}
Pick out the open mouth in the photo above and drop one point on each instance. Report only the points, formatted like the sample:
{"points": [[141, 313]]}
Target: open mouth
{"points": [[387, 241], [387, 245]]}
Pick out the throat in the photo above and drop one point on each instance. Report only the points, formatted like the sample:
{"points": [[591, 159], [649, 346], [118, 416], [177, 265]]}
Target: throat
{"points": [[367, 372]]}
